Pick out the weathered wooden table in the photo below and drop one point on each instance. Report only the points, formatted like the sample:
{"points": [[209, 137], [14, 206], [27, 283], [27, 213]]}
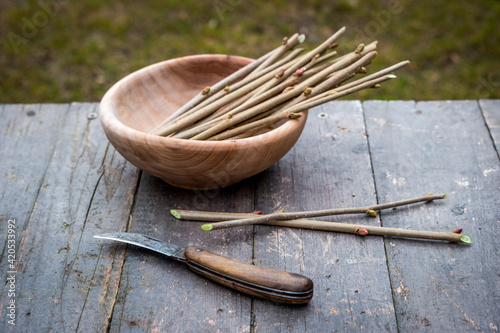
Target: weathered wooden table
{"points": [[62, 182]]}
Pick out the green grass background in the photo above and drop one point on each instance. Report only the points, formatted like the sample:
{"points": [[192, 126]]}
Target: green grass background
{"points": [[62, 51]]}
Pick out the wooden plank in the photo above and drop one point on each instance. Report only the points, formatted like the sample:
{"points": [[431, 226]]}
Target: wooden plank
{"points": [[438, 147], [28, 135], [491, 114], [63, 278], [161, 295], [328, 167]]}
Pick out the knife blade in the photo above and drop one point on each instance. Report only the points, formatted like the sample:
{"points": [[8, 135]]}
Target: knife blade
{"points": [[267, 283]]}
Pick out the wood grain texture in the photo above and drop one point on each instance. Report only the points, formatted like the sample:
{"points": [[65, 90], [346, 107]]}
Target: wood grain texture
{"points": [[64, 283], [263, 282], [28, 136], [63, 183], [491, 114], [159, 294], [328, 167], [142, 100], [445, 147]]}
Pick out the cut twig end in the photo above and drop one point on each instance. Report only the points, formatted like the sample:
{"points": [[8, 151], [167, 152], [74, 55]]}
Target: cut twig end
{"points": [[465, 239], [207, 227], [302, 38], [175, 214]]}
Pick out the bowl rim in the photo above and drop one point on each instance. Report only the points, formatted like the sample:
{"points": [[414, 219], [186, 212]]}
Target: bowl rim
{"points": [[110, 121]]}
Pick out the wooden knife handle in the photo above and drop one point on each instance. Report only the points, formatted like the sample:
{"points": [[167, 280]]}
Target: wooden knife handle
{"points": [[258, 281]]}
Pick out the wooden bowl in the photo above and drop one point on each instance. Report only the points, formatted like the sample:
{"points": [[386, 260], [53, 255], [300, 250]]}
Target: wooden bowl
{"points": [[142, 100]]}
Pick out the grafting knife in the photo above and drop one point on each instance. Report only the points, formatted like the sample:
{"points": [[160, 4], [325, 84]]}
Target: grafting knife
{"points": [[258, 281]]}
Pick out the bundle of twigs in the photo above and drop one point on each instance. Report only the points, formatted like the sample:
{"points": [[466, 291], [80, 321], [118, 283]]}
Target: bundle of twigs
{"points": [[277, 86]]}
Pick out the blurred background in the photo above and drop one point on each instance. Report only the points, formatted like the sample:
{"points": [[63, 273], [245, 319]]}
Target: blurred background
{"points": [[63, 51]]}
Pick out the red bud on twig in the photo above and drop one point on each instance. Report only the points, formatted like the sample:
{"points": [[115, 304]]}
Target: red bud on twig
{"points": [[362, 231], [299, 71]]}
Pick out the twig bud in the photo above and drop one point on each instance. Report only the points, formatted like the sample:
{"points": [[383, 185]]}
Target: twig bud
{"points": [[458, 231], [362, 231], [376, 86], [299, 71], [288, 88], [360, 48], [258, 212], [280, 73], [205, 91], [333, 45], [308, 91], [284, 41], [362, 70], [229, 116], [227, 88], [282, 210], [294, 115], [372, 213]]}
